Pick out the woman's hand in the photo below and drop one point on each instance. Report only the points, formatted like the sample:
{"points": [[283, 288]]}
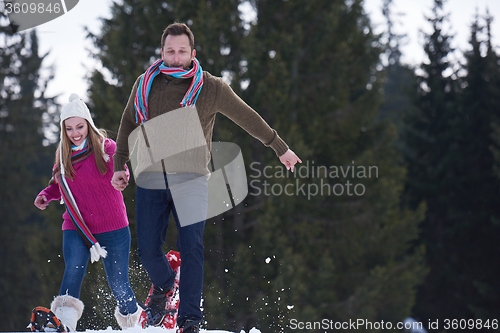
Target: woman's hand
{"points": [[41, 202], [120, 180]]}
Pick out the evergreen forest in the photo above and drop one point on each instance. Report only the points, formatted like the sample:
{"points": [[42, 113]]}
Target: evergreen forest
{"points": [[393, 213]]}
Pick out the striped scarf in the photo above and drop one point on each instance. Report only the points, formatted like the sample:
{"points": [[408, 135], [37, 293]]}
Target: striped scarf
{"points": [[78, 154], [141, 98]]}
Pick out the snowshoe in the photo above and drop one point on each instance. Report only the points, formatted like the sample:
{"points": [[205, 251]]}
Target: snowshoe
{"points": [[157, 305], [161, 306], [189, 326], [44, 320]]}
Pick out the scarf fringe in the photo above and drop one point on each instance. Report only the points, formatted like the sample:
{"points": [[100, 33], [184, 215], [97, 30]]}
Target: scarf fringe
{"points": [[96, 252]]}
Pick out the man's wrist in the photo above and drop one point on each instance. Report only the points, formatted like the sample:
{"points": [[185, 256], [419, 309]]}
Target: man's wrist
{"points": [[278, 145], [119, 163]]}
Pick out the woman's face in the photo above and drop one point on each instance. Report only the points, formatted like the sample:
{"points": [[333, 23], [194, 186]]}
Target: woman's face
{"points": [[76, 130]]}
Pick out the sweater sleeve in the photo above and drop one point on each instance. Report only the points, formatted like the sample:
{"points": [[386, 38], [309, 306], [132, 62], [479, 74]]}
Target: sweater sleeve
{"points": [[127, 125], [51, 192], [110, 148], [233, 107]]}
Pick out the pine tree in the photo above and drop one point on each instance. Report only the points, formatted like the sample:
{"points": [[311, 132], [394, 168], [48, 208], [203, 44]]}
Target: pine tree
{"points": [[400, 81], [479, 203], [447, 140], [27, 241], [429, 142]]}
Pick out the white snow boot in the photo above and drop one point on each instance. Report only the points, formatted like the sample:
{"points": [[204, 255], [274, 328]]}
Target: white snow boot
{"points": [[68, 310], [129, 320]]}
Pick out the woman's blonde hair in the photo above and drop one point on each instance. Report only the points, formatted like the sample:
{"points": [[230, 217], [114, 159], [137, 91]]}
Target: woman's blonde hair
{"points": [[94, 142]]}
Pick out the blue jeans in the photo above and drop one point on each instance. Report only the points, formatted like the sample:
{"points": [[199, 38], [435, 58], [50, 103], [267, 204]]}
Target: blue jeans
{"points": [[153, 208], [76, 259]]}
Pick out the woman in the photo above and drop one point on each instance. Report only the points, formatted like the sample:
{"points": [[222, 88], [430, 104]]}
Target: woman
{"points": [[95, 221]]}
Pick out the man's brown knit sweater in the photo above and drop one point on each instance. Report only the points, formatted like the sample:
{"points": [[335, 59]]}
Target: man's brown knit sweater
{"points": [[216, 96]]}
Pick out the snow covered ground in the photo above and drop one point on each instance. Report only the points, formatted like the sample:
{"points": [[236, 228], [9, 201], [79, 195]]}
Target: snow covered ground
{"points": [[162, 330]]}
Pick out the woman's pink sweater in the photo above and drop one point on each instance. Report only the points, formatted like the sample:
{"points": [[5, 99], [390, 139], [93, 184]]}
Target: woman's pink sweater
{"points": [[101, 206]]}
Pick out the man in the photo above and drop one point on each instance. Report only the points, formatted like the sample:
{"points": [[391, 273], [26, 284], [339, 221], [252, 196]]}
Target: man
{"points": [[171, 83]]}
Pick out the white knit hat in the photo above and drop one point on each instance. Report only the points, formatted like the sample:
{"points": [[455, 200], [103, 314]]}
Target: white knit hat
{"points": [[77, 108]]}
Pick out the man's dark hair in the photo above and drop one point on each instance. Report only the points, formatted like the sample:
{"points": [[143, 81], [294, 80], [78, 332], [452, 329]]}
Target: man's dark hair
{"points": [[178, 29]]}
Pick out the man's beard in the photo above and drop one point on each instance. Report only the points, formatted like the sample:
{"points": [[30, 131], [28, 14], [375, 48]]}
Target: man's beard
{"points": [[184, 67]]}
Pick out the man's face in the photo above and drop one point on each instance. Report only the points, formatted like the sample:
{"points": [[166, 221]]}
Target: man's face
{"points": [[177, 52]]}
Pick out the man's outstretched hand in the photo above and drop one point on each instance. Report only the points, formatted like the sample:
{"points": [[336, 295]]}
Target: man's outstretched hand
{"points": [[289, 159]]}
